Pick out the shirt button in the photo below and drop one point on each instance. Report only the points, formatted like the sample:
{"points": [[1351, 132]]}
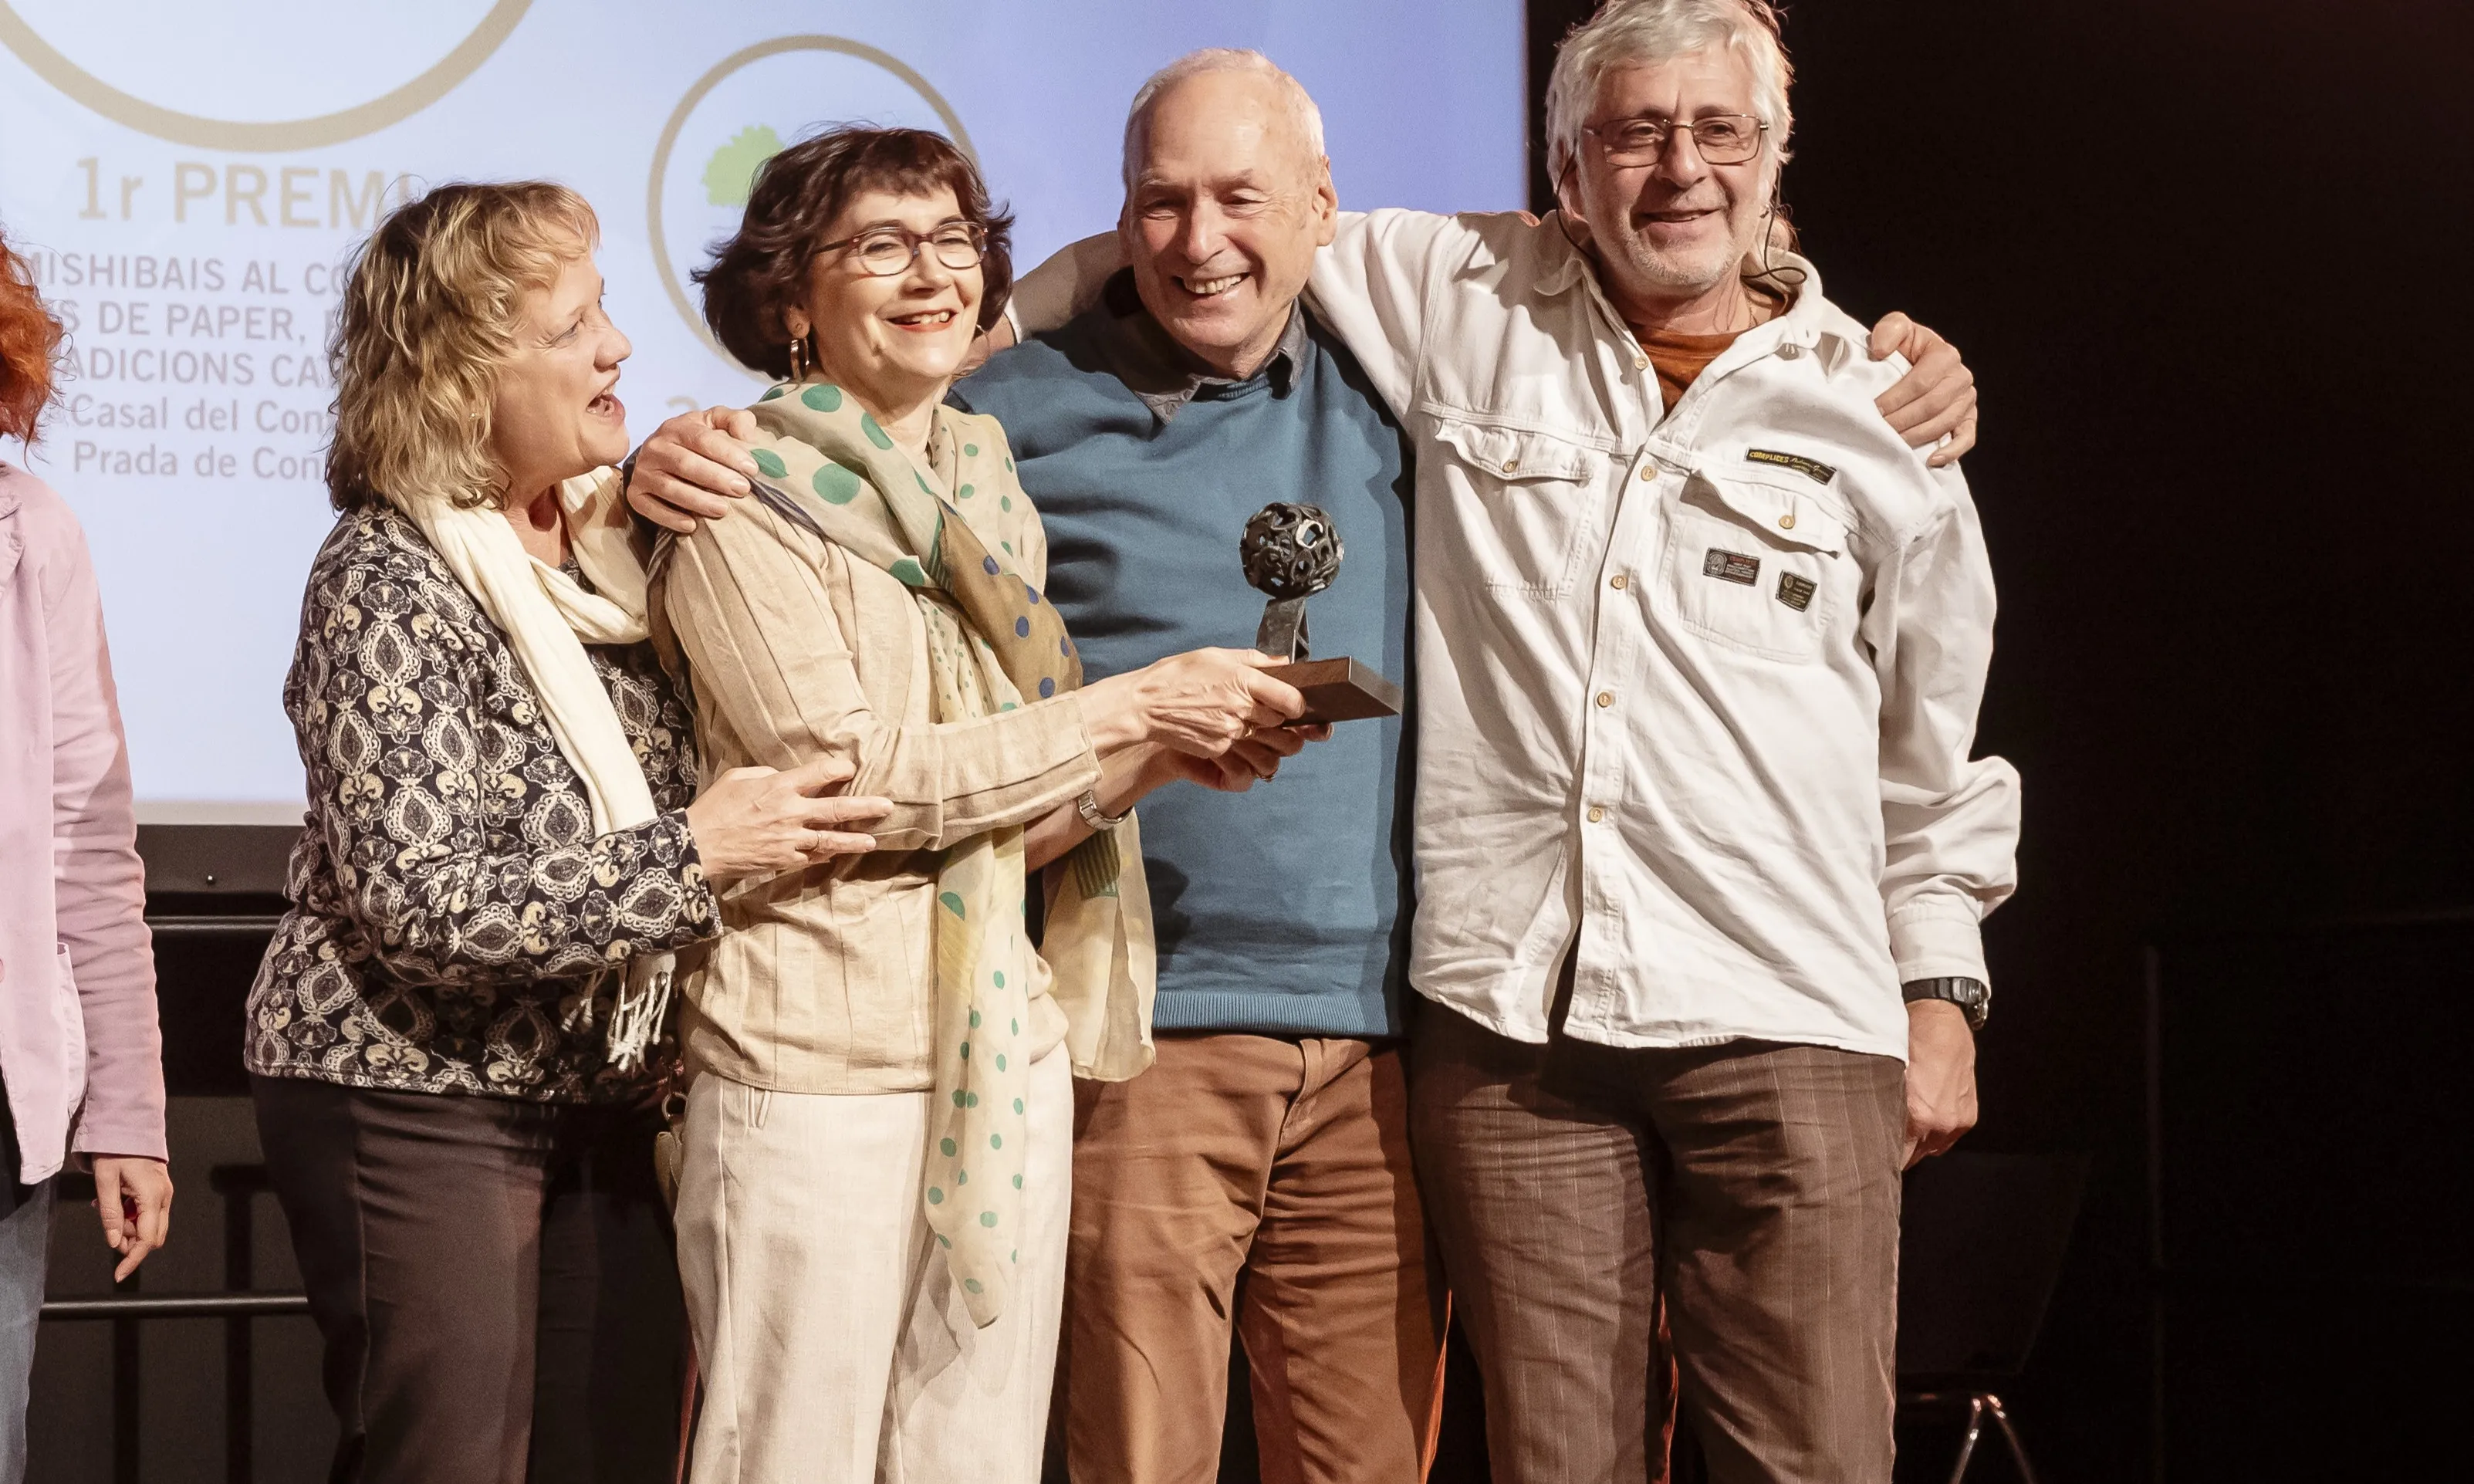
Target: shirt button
{"points": [[1596, 814], [1649, 471], [1787, 521], [1640, 363], [1606, 698], [1617, 581], [1512, 466]]}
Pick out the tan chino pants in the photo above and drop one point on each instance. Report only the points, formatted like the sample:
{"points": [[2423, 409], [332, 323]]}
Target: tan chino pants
{"points": [[1264, 1182]]}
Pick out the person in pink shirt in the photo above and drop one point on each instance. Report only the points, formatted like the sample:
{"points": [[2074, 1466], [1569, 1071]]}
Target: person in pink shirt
{"points": [[81, 1055]]}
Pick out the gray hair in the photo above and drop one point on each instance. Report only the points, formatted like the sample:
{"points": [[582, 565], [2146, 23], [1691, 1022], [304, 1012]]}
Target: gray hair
{"points": [[1631, 33], [1302, 112]]}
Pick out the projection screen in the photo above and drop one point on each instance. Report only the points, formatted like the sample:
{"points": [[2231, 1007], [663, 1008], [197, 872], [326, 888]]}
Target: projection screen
{"points": [[187, 177]]}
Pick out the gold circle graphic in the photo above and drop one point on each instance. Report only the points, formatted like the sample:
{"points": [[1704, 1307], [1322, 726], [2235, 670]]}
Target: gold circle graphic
{"points": [[671, 284], [299, 133]]}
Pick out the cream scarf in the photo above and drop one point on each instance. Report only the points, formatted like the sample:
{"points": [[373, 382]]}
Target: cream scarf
{"points": [[549, 617]]}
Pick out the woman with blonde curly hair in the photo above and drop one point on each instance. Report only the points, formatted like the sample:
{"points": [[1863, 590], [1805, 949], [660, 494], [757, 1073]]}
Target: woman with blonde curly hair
{"points": [[457, 1030], [83, 1059]]}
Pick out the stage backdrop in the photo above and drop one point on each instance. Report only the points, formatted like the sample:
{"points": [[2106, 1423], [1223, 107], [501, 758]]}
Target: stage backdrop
{"points": [[187, 175]]}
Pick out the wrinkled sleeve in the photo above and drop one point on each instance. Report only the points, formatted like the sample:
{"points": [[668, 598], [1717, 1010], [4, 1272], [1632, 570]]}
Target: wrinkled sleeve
{"points": [[389, 713], [101, 885], [1951, 821], [748, 599], [1370, 287]]}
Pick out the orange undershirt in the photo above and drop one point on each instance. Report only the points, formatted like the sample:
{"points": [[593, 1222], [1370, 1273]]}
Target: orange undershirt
{"points": [[1680, 359]]}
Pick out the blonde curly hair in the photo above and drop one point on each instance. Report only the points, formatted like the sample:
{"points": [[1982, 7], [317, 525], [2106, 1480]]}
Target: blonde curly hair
{"points": [[428, 318]]}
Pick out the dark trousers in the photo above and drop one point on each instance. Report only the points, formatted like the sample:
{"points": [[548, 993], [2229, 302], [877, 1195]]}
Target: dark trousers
{"points": [[493, 1281], [1754, 1186]]}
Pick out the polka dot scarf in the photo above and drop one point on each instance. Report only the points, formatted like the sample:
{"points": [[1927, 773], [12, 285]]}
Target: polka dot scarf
{"points": [[993, 643]]}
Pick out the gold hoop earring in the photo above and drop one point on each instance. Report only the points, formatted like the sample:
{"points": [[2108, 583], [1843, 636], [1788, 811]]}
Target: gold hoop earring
{"points": [[799, 358]]}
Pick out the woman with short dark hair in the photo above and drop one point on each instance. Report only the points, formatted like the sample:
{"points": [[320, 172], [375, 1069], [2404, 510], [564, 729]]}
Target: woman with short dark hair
{"points": [[872, 1211], [456, 1032]]}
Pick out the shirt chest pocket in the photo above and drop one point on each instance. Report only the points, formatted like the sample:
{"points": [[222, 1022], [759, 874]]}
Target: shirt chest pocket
{"points": [[1531, 498], [1756, 566]]}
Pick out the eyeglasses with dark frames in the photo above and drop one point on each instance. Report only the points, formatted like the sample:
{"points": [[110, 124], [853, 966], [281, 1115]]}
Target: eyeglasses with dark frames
{"points": [[881, 252]]}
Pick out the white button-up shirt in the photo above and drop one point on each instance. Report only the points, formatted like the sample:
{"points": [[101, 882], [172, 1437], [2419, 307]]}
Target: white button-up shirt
{"points": [[1696, 690]]}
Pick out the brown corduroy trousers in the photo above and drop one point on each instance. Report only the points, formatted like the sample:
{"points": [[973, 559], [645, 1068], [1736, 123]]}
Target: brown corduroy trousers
{"points": [[1753, 1185], [1263, 1180]]}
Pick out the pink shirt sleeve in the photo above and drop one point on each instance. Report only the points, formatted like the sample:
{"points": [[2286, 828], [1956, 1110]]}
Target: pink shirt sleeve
{"points": [[101, 884]]}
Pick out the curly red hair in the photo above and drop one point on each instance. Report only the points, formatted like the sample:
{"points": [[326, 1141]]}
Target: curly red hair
{"points": [[29, 338]]}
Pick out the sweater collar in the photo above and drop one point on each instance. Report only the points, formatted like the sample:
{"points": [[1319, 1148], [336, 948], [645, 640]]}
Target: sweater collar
{"points": [[1164, 374]]}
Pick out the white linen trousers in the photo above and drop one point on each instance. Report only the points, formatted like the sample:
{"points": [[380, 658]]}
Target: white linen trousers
{"points": [[833, 1343]]}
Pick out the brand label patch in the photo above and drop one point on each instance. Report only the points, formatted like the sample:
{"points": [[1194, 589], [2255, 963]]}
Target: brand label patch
{"points": [[1796, 592], [1731, 566], [1811, 468]]}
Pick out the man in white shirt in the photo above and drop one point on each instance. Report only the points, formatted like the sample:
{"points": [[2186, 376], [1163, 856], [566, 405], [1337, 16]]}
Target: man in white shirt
{"points": [[1700, 646]]}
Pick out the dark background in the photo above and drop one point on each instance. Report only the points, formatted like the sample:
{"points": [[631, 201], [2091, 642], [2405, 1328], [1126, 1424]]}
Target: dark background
{"points": [[2204, 257]]}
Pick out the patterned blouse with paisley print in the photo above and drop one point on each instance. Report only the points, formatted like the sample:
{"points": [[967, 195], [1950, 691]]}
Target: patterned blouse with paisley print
{"points": [[452, 913]]}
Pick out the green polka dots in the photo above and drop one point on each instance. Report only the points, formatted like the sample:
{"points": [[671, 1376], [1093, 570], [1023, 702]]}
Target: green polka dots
{"points": [[772, 392], [844, 470], [834, 485]]}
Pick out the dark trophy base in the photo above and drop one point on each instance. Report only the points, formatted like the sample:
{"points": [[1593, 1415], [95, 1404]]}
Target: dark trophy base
{"points": [[1340, 689]]}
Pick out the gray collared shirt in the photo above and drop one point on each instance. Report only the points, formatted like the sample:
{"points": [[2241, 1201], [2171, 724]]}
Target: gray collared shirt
{"points": [[1167, 375]]}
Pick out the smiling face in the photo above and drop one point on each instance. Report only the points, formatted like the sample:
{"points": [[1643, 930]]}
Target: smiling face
{"points": [[1672, 234], [556, 412], [898, 340], [1227, 204]]}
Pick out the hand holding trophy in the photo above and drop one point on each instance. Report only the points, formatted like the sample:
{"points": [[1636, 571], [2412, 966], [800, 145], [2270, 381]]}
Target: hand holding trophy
{"points": [[1292, 552]]}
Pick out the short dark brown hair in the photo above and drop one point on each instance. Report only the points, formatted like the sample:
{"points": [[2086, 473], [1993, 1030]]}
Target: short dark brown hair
{"points": [[762, 271]]}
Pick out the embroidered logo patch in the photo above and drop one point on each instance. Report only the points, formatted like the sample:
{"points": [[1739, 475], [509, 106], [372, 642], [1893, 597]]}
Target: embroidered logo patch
{"points": [[1811, 468], [1731, 566], [1795, 592]]}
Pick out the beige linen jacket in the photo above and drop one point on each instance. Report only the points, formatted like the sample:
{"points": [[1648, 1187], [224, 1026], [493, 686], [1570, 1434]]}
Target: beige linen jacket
{"points": [[823, 980]]}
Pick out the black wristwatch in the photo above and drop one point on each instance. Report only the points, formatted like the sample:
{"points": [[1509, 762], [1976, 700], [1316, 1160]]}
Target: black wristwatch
{"points": [[1972, 996]]}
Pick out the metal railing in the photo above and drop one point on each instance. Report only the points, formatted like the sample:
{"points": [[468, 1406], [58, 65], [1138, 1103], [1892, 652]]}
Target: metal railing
{"points": [[238, 1184]]}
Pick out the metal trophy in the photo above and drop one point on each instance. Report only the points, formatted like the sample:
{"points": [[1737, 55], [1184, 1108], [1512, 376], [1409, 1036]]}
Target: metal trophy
{"points": [[1293, 552]]}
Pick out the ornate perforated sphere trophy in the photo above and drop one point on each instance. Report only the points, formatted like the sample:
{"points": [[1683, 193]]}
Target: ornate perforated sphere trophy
{"points": [[1293, 552]]}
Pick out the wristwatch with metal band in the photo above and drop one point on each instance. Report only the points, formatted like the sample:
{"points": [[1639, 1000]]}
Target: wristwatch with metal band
{"points": [[1088, 807], [1972, 996]]}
